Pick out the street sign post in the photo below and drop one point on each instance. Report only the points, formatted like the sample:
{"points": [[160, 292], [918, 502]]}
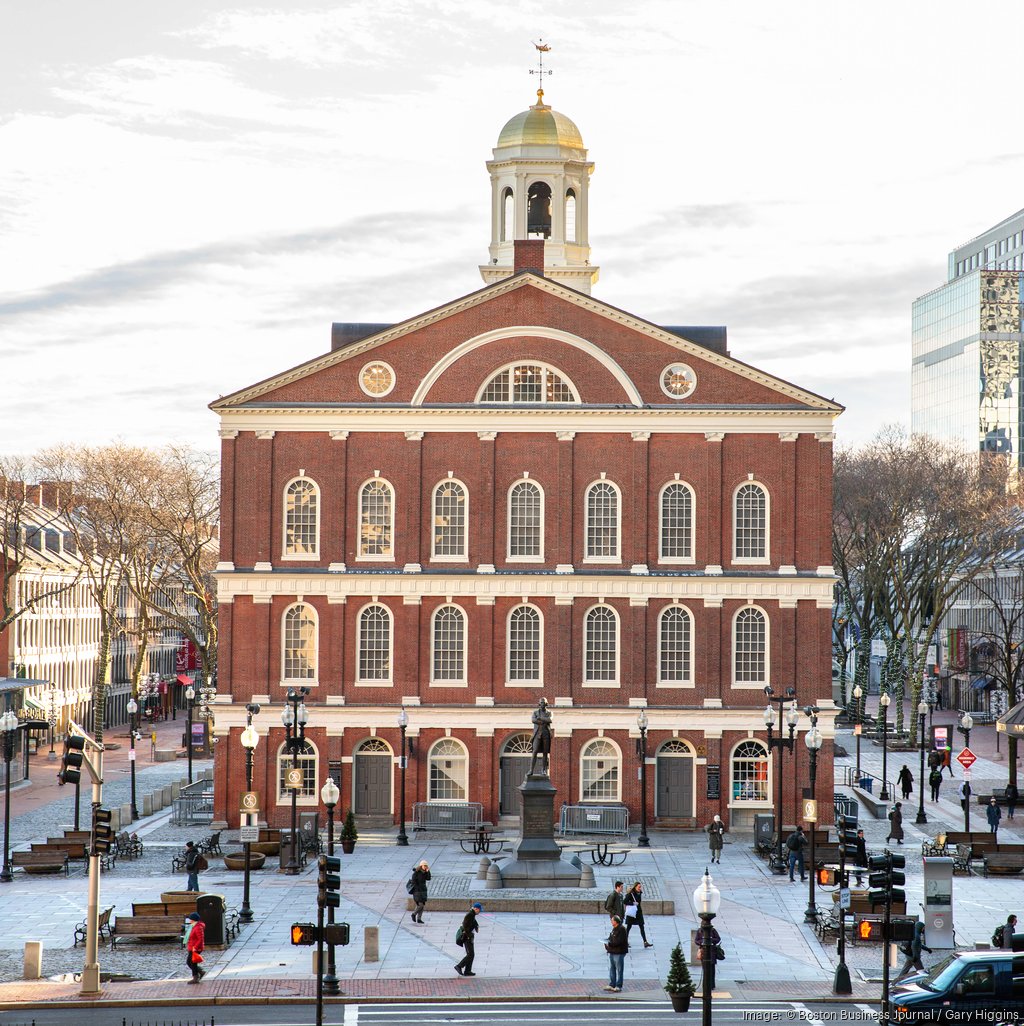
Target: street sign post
{"points": [[967, 758]]}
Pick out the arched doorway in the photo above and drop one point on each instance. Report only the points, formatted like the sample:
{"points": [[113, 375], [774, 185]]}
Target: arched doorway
{"points": [[371, 778], [513, 766], [674, 789]]}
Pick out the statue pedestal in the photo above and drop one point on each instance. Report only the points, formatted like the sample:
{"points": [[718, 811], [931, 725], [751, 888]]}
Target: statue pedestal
{"points": [[538, 861]]}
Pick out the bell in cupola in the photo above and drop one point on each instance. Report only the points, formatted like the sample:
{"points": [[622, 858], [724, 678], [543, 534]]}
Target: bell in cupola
{"points": [[538, 211]]}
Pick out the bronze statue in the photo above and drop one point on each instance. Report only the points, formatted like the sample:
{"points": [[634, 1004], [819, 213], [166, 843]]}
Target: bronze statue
{"points": [[540, 743]]}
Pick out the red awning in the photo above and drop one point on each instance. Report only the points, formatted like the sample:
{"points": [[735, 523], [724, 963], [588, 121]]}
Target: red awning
{"points": [[185, 682]]}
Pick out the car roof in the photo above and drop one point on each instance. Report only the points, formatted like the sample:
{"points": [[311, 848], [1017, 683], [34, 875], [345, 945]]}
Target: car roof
{"points": [[990, 955]]}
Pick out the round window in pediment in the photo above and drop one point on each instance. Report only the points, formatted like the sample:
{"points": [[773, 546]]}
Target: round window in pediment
{"points": [[377, 379], [678, 381]]}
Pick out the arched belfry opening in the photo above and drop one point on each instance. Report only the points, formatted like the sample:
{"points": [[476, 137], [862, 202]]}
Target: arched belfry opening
{"points": [[538, 211]]}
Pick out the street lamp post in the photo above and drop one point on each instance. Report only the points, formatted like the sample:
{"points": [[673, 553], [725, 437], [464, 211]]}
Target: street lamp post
{"points": [[403, 839], [329, 795], [250, 739], [922, 711], [8, 727], [883, 705], [780, 743], [294, 718], [643, 841], [132, 708], [706, 900], [52, 720], [190, 697], [966, 723], [813, 741], [858, 694]]}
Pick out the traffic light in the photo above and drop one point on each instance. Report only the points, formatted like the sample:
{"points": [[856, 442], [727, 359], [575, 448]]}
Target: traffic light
{"points": [[303, 933], [869, 930], [846, 827], [884, 879], [71, 761], [102, 831], [329, 882], [828, 877], [336, 933]]}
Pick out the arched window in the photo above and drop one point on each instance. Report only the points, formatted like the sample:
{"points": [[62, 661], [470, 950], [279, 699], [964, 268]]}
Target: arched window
{"points": [[525, 645], [508, 216], [601, 646], [528, 383], [570, 216], [299, 643], [449, 771], [526, 522], [376, 520], [450, 521], [750, 772], [675, 647], [448, 646], [301, 520], [750, 523], [601, 527], [305, 759], [676, 537], [750, 647], [599, 772], [373, 658]]}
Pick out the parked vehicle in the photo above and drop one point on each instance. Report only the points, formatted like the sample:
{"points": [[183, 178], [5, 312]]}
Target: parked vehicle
{"points": [[969, 986]]}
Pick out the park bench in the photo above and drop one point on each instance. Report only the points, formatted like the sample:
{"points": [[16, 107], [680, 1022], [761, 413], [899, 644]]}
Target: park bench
{"points": [[81, 929], [210, 845], [146, 927], [127, 846], [73, 849], [85, 836], [999, 793], [146, 909], [461, 817], [50, 861], [1003, 863], [826, 921], [232, 923], [825, 855]]}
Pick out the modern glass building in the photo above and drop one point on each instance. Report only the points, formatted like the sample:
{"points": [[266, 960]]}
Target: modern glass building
{"points": [[966, 357]]}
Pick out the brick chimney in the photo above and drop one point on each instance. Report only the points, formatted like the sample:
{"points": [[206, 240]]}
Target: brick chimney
{"points": [[529, 256]]}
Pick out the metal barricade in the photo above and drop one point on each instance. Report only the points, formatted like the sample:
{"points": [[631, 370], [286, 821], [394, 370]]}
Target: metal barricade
{"points": [[594, 819], [462, 816], [194, 805]]}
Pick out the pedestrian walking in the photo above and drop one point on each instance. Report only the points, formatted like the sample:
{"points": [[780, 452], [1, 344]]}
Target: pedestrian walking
{"points": [[194, 947], [934, 759], [906, 781], [896, 823], [912, 949], [195, 863], [617, 947], [715, 830], [615, 903], [1012, 797], [935, 782], [993, 814], [715, 940], [635, 912], [1003, 935], [795, 844], [465, 936], [418, 889], [947, 760], [860, 860]]}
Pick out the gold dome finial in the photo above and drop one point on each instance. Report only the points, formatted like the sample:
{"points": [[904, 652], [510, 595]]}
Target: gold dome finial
{"points": [[542, 48]]}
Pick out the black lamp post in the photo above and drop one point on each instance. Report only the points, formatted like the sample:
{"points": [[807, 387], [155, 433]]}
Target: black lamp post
{"points": [[858, 694], [922, 711], [403, 839], [329, 795], [643, 841], [132, 708], [8, 727], [813, 741], [250, 739], [294, 718], [190, 697], [966, 723], [52, 720], [780, 743], [706, 900], [883, 708]]}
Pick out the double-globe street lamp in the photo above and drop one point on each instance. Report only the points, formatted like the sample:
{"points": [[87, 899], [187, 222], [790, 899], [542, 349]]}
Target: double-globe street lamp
{"points": [[294, 717], [250, 739], [132, 708], [813, 741], [329, 795], [643, 841], [403, 723], [922, 712], [966, 723], [707, 899], [883, 708], [858, 694], [780, 743], [8, 727], [190, 697]]}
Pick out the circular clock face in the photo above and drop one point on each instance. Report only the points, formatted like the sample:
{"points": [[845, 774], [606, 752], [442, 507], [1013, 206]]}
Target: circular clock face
{"points": [[377, 379], [678, 380]]}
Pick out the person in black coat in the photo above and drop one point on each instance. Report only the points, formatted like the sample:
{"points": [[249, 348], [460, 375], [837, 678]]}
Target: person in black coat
{"points": [[714, 939], [420, 876], [861, 858], [906, 781], [633, 900], [935, 782], [896, 823], [617, 947], [469, 927], [614, 904], [1012, 797]]}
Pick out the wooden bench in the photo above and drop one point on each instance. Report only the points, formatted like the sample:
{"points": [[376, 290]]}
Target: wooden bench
{"points": [[1000, 864], [84, 836], [73, 849], [40, 861], [81, 929], [147, 909], [146, 927], [999, 793]]}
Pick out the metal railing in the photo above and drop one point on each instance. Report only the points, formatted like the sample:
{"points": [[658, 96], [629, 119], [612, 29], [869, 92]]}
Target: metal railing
{"points": [[594, 819], [846, 806], [194, 804], [447, 816], [851, 779]]}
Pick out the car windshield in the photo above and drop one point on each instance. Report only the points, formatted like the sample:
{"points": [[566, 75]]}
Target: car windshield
{"points": [[941, 975]]}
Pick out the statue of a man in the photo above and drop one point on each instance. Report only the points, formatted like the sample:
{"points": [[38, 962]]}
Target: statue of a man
{"points": [[540, 743]]}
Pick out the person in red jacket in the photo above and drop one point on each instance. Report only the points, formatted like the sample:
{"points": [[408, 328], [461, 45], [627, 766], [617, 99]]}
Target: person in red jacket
{"points": [[194, 947]]}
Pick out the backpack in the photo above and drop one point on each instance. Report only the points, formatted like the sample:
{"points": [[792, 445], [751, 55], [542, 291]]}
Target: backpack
{"points": [[201, 865], [460, 936], [793, 842], [997, 936]]}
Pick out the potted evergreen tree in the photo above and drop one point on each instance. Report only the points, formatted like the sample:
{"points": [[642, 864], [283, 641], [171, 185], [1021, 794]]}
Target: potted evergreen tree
{"points": [[349, 833], [679, 983]]}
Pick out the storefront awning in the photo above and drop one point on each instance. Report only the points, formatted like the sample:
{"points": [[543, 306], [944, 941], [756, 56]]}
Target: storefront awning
{"points": [[1012, 721], [184, 681], [981, 682]]}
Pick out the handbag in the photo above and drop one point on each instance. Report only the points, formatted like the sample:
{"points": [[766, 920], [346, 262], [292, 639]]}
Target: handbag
{"points": [[460, 937], [201, 864], [719, 953], [630, 911], [410, 887]]}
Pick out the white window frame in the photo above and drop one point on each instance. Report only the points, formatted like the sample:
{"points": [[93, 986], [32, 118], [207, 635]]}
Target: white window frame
{"points": [[284, 796], [547, 368], [617, 558], [445, 682], [753, 560], [509, 558], [688, 681], [313, 681], [300, 556], [462, 556], [758, 685], [750, 803], [430, 766], [617, 621], [618, 776], [375, 682], [691, 559], [516, 683], [389, 555]]}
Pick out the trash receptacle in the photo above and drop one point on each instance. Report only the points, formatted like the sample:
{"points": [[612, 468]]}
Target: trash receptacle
{"points": [[865, 784], [211, 911], [285, 854]]}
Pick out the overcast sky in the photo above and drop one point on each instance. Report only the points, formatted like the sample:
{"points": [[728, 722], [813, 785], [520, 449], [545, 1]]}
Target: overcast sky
{"points": [[190, 194]]}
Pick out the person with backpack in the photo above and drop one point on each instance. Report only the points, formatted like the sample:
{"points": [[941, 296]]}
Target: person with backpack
{"points": [[417, 887], [896, 824], [464, 938], [935, 782], [1003, 935], [194, 947], [614, 904], [906, 781], [795, 844], [195, 863], [912, 949], [617, 946]]}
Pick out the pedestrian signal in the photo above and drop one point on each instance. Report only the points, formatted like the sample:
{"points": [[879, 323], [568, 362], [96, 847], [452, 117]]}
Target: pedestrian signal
{"points": [[303, 933], [868, 930], [827, 877], [336, 933]]}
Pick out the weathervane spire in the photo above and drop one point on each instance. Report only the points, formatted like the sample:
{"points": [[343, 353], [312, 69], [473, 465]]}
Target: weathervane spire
{"points": [[542, 48]]}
